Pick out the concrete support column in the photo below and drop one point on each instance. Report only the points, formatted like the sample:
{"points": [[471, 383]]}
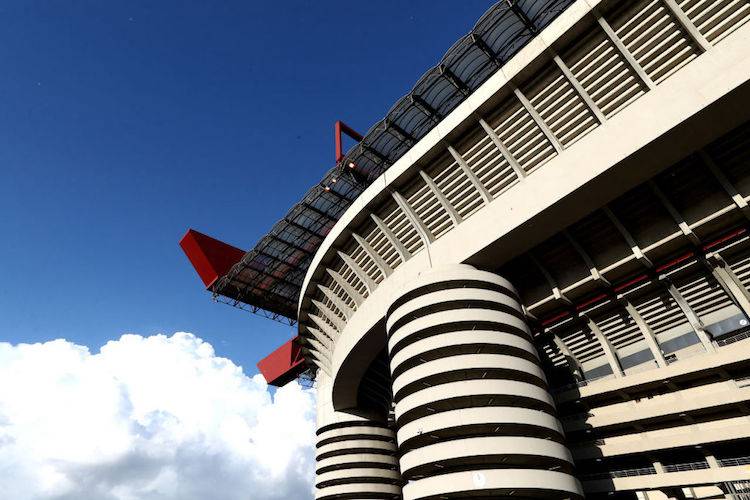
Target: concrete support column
{"points": [[692, 318], [710, 459], [474, 415], [658, 467], [609, 351], [355, 457], [731, 282]]}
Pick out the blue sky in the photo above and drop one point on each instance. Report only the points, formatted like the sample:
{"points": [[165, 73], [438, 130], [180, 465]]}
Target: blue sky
{"points": [[123, 123]]}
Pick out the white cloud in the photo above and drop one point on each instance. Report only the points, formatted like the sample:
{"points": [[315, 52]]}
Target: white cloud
{"points": [[145, 419]]}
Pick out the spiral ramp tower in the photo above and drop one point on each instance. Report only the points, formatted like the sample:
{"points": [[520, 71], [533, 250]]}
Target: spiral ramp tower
{"points": [[355, 457], [470, 394]]}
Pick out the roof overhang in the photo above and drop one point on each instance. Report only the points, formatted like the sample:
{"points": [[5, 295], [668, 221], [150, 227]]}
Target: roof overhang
{"points": [[270, 276]]}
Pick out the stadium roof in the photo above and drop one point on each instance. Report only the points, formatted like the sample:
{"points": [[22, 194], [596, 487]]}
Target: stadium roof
{"points": [[269, 277]]}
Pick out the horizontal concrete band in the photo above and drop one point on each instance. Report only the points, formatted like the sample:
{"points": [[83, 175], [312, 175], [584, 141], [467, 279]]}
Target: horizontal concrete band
{"points": [[439, 277], [475, 340], [462, 319], [452, 305], [354, 446], [450, 291], [703, 397], [454, 295], [500, 482], [448, 286], [504, 393], [357, 432], [690, 435], [357, 475], [478, 450], [354, 460], [493, 417], [336, 420], [467, 366], [359, 490]]}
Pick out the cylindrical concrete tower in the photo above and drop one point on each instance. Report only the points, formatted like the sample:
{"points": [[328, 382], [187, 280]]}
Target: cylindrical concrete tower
{"points": [[473, 411], [356, 457]]}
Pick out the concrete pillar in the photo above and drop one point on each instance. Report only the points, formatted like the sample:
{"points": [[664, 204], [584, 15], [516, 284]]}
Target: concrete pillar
{"points": [[692, 317], [572, 361], [610, 353], [731, 283], [710, 459], [355, 457], [648, 334], [659, 467], [474, 415]]}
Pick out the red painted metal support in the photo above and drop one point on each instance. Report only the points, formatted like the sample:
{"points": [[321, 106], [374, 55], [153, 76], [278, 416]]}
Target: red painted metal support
{"points": [[284, 364], [210, 257], [339, 128]]}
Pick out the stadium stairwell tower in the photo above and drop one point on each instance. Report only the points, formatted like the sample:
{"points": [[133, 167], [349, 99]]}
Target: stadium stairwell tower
{"points": [[547, 294]]}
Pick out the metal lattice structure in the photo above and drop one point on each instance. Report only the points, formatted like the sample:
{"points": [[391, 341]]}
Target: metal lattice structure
{"points": [[269, 277]]}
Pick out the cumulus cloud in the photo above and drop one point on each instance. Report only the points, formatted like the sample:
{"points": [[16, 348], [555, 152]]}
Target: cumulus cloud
{"points": [[156, 418]]}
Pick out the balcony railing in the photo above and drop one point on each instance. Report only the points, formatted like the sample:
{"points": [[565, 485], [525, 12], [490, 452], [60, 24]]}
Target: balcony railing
{"points": [[671, 358], [686, 466], [734, 338], [733, 462], [644, 471]]}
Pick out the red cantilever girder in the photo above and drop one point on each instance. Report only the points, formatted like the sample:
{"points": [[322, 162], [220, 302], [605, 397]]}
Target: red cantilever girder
{"points": [[210, 257], [284, 364]]}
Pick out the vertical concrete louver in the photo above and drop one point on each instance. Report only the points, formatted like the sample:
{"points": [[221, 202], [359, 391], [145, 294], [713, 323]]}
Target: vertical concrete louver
{"points": [[473, 411], [355, 457]]}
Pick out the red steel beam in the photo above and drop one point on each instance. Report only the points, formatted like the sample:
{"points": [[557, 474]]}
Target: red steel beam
{"points": [[339, 128], [210, 257], [284, 364]]}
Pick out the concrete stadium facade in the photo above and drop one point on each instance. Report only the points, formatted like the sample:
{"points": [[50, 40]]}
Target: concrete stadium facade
{"points": [[547, 295]]}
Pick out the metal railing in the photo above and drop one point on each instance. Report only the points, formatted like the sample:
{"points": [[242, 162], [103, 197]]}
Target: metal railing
{"points": [[732, 462], [686, 466], [643, 471], [734, 338]]}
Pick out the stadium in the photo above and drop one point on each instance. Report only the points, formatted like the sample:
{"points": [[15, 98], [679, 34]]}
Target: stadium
{"points": [[530, 279]]}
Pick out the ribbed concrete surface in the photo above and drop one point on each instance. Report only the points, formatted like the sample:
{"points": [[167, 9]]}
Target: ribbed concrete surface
{"points": [[356, 459], [473, 412]]}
